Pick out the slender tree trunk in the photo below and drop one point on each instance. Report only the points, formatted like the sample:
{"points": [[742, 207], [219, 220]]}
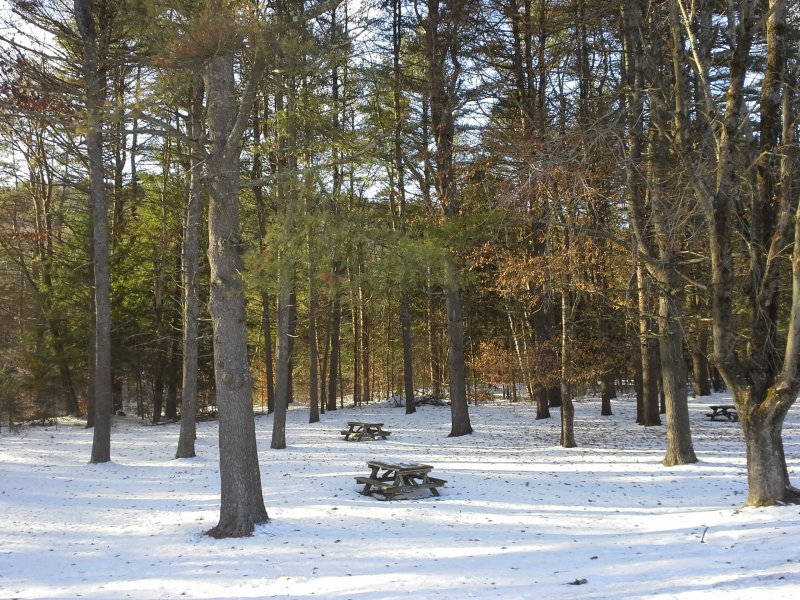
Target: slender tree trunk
{"points": [[313, 353], [648, 355], [95, 86], [335, 344], [567, 407], [434, 348], [366, 379], [266, 303], [282, 382], [191, 268], [408, 373]]}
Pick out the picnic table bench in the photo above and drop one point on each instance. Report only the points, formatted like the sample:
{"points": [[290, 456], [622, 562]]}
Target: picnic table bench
{"points": [[398, 478], [723, 410], [359, 430]]}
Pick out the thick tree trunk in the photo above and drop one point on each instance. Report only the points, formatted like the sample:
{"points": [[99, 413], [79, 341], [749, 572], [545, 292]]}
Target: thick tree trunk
{"points": [[607, 392], [460, 424], [767, 475], [680, 450], [241, 504]]}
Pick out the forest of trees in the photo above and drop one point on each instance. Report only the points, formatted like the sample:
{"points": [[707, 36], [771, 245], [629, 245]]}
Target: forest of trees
{"points": [[228, 203]]}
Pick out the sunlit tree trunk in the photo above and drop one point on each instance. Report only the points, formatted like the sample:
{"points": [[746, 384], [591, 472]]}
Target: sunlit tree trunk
{"points": [[241, 502]]}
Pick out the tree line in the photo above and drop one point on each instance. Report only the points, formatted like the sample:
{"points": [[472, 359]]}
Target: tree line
{"points": [[228, 203]]}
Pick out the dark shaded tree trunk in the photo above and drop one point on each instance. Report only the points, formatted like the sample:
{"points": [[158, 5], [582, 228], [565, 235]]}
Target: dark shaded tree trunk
{"points": [[94, 81], [648, 356], [700, 368], [190, 258], [608, 392], [282, 356], [335, 329]]}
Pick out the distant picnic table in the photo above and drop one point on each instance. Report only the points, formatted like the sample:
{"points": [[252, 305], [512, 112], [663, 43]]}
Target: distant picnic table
{"points": [[727, 411], [360, 430], [390, 479]]}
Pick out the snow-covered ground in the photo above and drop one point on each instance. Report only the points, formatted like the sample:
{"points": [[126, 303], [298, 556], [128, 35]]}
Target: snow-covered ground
{"points": [[520, 517]]}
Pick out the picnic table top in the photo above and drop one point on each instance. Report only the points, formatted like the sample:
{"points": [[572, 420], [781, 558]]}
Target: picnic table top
{"points": [[365, 423], [721, 406], [400, 466]]}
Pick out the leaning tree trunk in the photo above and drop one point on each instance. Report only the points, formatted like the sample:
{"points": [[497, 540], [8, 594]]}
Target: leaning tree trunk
{"points": [[241, 503]]}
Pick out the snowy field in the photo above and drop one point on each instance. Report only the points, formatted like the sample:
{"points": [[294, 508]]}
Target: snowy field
{"points": [[520, 517]]}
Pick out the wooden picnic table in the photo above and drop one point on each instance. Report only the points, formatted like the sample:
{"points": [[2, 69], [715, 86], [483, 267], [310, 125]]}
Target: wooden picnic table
{"points": [[359, 430], [723, 410], [389, 479]]}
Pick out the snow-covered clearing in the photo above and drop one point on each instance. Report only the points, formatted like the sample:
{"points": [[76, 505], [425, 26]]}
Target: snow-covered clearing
{"points": [[520, 517]]}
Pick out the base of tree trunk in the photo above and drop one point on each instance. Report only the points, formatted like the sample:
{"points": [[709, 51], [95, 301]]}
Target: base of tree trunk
{"points": [[220, 532]]}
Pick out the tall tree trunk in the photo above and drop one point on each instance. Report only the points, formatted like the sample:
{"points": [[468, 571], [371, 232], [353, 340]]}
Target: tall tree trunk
{"points": [[400, 209], [763, 383], [94, 80], [241, 503], [190, 259], [442, 46], [263, 217]]}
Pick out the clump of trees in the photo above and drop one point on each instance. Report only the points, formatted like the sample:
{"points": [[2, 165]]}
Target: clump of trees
{"points": [[289, 200]]}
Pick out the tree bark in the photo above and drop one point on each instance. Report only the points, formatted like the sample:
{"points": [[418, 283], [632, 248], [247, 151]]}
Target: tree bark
{"points": [[241, 502], [442, 46], [94, 80], [648, 356], [190, 260]]}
